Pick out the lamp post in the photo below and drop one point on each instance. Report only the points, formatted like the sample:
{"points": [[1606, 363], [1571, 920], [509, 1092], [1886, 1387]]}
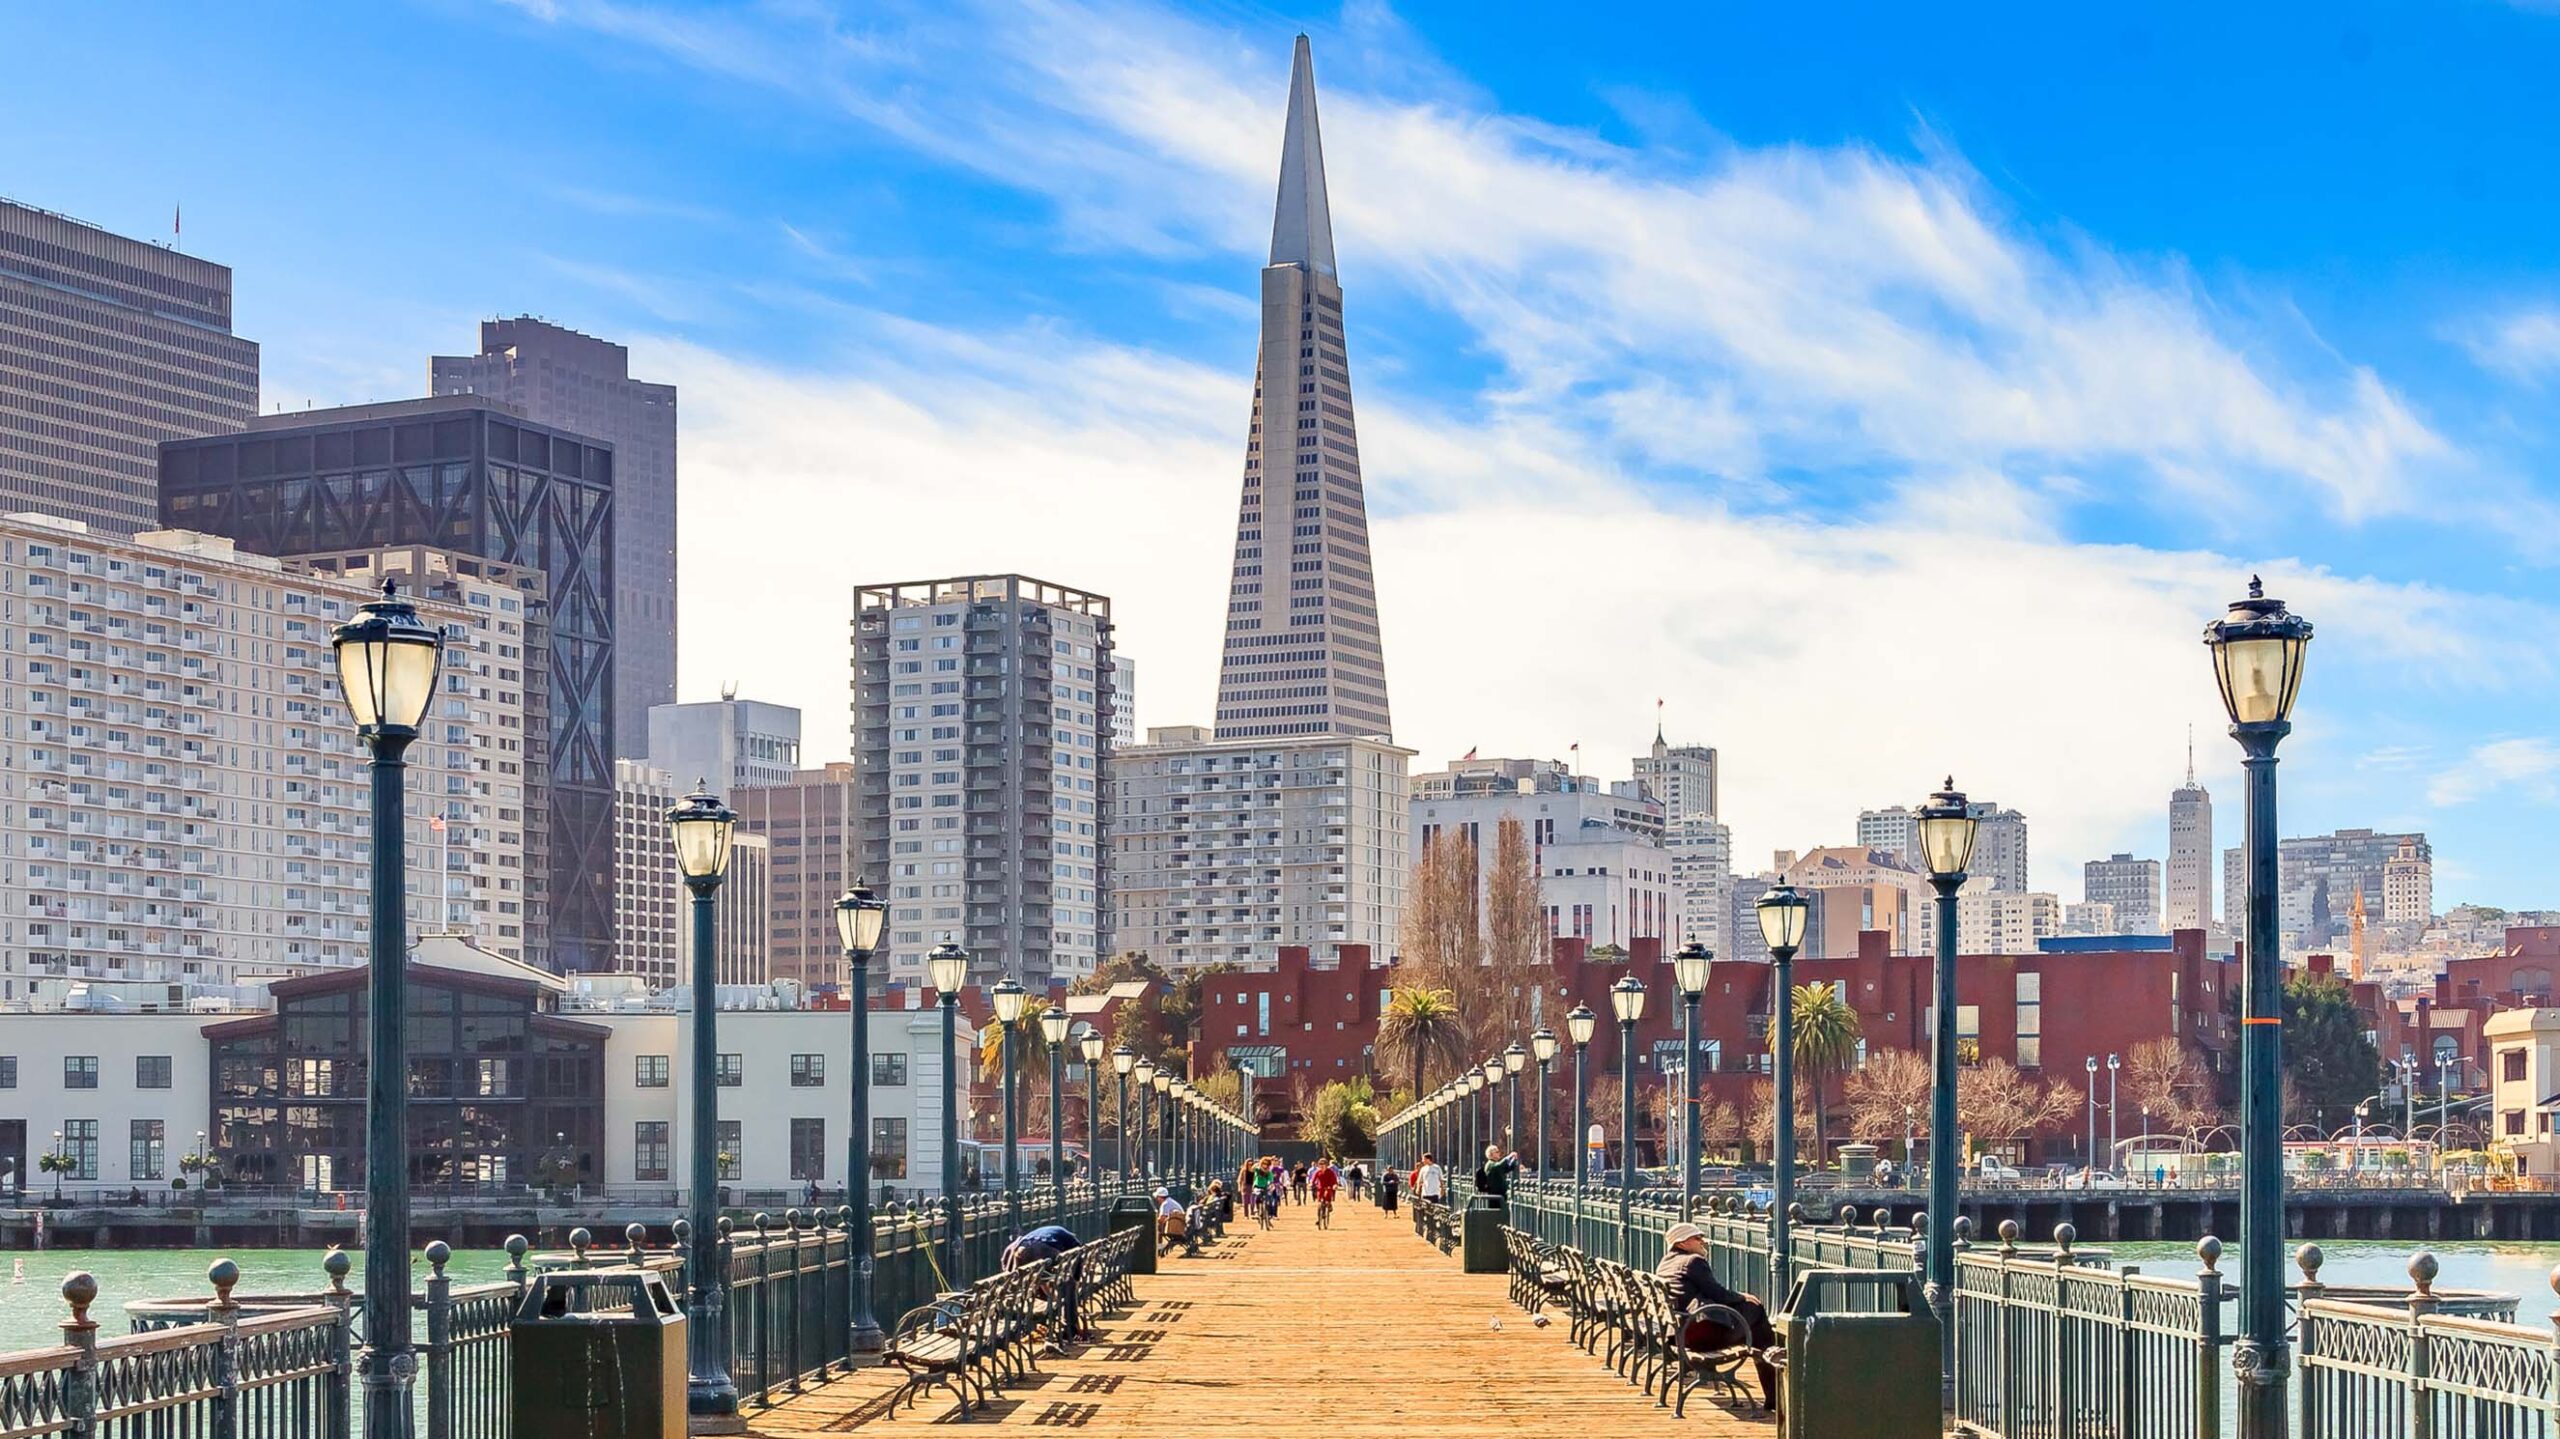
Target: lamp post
{"points": [[1054, 1022], [1123, 1059], [860, 914], [2093, 1113], [1474, 1082], [2258, 649], [387, 663], [1946, 843], [1782, 911], [1010, 998], [1627, 998], [2113, 1064], [1163, 1083], [1091, 1046], [1145, 1077], [1514, 1059], [701, 825], [1689, 968], [1492, 1091], [1542, 1044], [1581, 1023], [947, 969]]}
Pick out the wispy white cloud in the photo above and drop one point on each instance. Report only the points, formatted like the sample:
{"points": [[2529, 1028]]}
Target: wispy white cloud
{"points": [[2523, 345], [2529, 767]]}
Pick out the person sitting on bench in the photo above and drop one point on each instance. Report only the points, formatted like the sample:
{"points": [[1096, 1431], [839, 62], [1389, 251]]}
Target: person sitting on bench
{"points": [[1173, 1223], [1693, 1282]]}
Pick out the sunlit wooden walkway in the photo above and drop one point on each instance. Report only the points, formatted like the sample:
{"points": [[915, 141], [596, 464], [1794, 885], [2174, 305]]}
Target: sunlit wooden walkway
{"points": [[1361, 1331]]}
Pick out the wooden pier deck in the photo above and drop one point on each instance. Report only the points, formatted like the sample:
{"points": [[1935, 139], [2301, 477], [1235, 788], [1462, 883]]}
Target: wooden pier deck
{"points": [[1361, 1331]]}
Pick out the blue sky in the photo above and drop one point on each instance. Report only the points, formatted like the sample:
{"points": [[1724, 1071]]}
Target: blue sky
{"points": [[1886, 394]]}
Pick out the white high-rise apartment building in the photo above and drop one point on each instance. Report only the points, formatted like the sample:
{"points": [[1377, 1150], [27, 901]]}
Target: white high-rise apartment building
{"points": [[1225, 850], [1124, 701], [1999, 841], [182, 797], [2131, 885], [2409, 885], [1683, 778], [982, 721], [1578, 834], [1990, 920], [2190, 872], [652, 913]]}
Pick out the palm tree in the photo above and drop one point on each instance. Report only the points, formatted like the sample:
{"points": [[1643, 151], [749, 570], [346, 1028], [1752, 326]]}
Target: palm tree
{"points": [[1419, 1026], [1030, 1060], [1826, 1042]]}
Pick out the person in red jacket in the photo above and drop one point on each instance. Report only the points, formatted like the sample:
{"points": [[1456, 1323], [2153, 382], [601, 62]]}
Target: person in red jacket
{"points": [[1325, 1181]]}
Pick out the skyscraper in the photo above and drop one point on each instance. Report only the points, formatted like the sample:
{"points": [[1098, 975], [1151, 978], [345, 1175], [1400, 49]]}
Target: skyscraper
{"points": [[982, 714], [1302, 658], [578, 382], [2131, 885], [2190, 853], [729, 744], [1683, 779], [107, 347], [466, 474]]}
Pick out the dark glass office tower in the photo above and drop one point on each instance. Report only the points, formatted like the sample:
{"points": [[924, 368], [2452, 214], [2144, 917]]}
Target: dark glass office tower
{"points": [[467, 474]]}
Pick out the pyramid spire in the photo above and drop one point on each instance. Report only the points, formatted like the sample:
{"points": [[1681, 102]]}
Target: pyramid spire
{"points": [[1302, 223]]}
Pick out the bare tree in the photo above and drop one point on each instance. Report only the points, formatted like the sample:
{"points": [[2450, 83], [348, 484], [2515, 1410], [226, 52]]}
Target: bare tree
{"points": [[1441, 944], [1998, 1105], [1889, 1097], [1763, 1123], [1516, 941], [2171, 1084]]}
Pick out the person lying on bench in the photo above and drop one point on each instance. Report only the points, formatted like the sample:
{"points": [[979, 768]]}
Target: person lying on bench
{"points": [[1693, 1282]]}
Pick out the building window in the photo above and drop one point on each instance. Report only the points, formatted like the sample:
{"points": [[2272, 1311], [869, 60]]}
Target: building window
{"points": [[151, 1071], [888, 1069], [2513, 1122], [80, 1071], [80, 1141], [728, 1138], [649, 1151], [808, 1071], [888, 1149], [150, 1148], [730, 1072], [2511, 1066], [8, 1071], [493, 1079], [808, 1149], [649, 1071]]}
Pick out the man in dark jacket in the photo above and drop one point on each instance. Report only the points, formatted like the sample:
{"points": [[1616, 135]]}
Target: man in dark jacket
{"points": [[1493, 1177], [1693, 1282]]}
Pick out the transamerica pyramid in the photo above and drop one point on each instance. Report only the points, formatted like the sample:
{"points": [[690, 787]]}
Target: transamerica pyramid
{"points": [[1302, 654]]}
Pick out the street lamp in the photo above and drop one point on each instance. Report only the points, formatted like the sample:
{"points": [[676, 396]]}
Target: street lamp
{"points": [[1145, 1076], [701, 826], [1627, 998], [387, 663], [860, 915], [947, 969], [2093, 1113], [1163, 1083], [2258, 650], [1946, 844], [1690, 968], [2113, 1064], [1542, 1043], [1010, 998], [1123, 1058], [1514, 1059], [1492, 1086], [1054, 1023], [1581, 1023], [1783, 910]]}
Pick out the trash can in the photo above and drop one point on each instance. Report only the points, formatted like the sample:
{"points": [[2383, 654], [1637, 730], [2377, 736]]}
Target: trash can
{"points": [[1137, 1211], [1862, 1357], [598, 1354], [1481, 1250]]}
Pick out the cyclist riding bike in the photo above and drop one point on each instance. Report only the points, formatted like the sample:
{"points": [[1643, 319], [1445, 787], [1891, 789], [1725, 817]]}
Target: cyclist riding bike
{"points": [[1325, 1181]]}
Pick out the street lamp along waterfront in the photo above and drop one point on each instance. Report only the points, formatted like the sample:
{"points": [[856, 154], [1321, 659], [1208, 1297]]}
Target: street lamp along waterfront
{"points": [[1947, 829], [387, 663], [1689, 968], [1542, 1044], [1782, 910], [701, 828], [1054, 1022], [1627, 998], [2258, 649], [1010, 999], [1123, 1059], [860, 916], [946, 968]]}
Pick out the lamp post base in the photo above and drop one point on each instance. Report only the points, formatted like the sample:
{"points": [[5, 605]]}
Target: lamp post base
{"points": [[715, 1423]]}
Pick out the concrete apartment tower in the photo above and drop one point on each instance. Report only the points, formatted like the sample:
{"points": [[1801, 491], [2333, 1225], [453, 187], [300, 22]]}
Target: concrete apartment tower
{"points": [[578, 382], [107, 347], [2190, 852], [1302, 649]]}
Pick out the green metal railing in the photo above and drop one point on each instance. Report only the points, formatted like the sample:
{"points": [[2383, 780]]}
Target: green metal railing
{"points": [[283, 1367]]}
